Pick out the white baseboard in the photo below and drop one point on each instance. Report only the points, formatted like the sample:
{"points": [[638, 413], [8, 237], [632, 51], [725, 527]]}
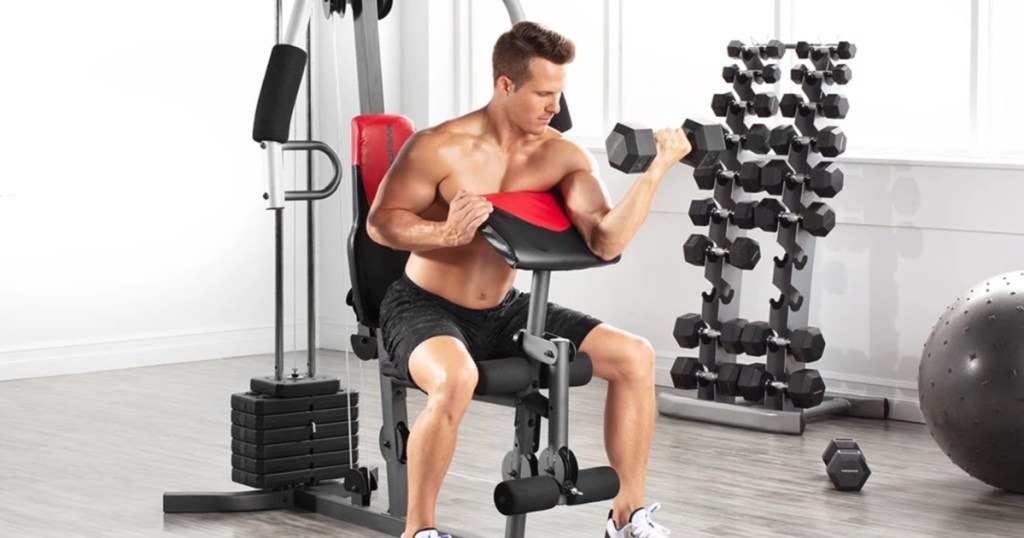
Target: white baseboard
{"points": [[134, 353]]}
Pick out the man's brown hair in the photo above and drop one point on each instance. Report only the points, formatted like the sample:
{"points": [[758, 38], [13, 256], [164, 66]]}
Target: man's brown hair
{"points": [[526, 40]]}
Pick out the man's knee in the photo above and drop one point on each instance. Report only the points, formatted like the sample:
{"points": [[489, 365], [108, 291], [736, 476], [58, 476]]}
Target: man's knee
{"points": [[634, 358], [444, 369]]}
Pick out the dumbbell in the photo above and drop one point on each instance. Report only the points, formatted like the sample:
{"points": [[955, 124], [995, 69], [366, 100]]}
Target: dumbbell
{"points": [[829, 141], [764, 105], [631, 148], [690, 330], [833, 106], [743, 253], [805, 388], [839, 74], [774, 49], [825, 180], [817, 219], [750, 176], [687, 373], [770, 74], [846, 465], [844, 50], [805, 344], [703, 212]]}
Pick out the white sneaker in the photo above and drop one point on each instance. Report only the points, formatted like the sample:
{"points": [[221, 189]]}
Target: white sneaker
{"points": [[639, 526], [429, 533]]}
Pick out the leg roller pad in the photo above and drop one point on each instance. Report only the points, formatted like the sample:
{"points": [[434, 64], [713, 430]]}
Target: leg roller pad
{"points": [[595, 484], [524, 495]]}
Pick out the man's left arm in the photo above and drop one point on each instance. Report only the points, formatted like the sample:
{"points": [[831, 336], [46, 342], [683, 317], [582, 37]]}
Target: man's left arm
{"points": [[608, 229]]}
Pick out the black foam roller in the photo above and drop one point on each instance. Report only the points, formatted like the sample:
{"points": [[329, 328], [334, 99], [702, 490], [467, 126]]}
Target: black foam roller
{"points": [[525, 495], [595, 484], [562, 121], [277, 98]]}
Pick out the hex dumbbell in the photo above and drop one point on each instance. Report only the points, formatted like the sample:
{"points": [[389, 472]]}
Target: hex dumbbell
{"points": [[829, 141], [805, 344], [825, 179], [733, 73], [705, 211], [743, 253], [817, 219], [763, 104], [774, 49], [688, 373], [631, 148], [805, 388], [839, 74], [846, 465], [832, 106], [844, 50], [690, 330]]}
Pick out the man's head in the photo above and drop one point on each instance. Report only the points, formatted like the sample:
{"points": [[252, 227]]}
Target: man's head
{"points": [[529, 74]]}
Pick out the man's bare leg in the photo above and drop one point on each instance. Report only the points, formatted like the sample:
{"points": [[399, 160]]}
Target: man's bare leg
{"points": [[626, 361], [443, 368]]}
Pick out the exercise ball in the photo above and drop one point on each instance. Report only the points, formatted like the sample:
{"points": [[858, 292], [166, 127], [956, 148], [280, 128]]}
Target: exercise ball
{"points": [[971, 381]]}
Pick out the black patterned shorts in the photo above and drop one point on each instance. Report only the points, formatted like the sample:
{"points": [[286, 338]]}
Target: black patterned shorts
{"points": [[410, 315]]}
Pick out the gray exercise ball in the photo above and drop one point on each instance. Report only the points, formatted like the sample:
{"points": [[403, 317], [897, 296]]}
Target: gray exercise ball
{"points": [[971, 382]]}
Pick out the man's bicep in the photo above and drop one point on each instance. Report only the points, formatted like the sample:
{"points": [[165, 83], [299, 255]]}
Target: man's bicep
{"points": [[586, 201]]}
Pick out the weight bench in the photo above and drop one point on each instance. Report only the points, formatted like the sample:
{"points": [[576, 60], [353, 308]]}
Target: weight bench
{"points": [[531, 232]]}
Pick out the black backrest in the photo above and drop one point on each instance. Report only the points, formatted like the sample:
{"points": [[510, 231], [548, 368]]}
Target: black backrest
{"points": [[376, 141]]}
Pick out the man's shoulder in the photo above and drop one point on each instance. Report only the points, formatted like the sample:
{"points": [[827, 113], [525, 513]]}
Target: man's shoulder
{"points": [[557, 146]]}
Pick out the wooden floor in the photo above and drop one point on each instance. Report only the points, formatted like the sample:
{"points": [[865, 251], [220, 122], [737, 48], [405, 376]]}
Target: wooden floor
{"points": [[90, 455]]}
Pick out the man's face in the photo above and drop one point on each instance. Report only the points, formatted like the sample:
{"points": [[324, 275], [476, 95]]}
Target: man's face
{"points": [[532, 104]]}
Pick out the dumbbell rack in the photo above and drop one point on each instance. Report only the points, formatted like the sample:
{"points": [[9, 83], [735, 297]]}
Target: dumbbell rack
{"points": [[791, 275]]}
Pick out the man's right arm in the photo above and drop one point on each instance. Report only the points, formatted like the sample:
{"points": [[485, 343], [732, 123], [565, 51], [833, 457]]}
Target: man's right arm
{"points": [[410, 188]]}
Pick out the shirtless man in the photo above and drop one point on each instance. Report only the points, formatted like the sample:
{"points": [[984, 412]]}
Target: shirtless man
{"points": [[456, 302]]}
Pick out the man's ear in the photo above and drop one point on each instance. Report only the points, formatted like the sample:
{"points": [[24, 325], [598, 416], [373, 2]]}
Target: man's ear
{"points": [[505, 85]]}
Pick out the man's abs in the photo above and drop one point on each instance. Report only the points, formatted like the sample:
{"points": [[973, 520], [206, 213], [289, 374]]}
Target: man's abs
{"points": [[473, 276]]}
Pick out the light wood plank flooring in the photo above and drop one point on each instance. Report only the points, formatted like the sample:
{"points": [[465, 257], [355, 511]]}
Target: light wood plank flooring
{"points": [[90, 455]]}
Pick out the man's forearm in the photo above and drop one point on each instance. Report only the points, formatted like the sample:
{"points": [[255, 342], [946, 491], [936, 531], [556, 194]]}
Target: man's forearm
{"points": [[619, 225], [405, 230]]}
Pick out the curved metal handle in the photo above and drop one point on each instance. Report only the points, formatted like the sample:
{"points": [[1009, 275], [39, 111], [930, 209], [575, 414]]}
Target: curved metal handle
{"points": [[515, 11], [313, 145]]}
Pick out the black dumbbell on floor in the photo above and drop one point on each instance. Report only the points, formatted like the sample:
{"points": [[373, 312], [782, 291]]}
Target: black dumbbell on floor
{"points": [[832, 106], [631, 148], [805, 344], [688, 373], [690, 330], [770, 74], [826, 179], [743, 253], [705, 211], [763, 104], [817, 219], [840, 74], [846, 465], [805, 388], [829, 141]]}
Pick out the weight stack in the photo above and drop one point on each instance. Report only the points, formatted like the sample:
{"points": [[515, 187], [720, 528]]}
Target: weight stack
{"points": [[286, 442]]}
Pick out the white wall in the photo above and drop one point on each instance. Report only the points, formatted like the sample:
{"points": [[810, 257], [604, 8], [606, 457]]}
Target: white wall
{"points": [[132, 228]]}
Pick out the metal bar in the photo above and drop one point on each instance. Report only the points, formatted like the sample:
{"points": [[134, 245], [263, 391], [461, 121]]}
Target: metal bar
{"points": [[558, 398], [227, 501], [371, 81], [393, 412], [314, 145], [835, 406], [279, 294], [296, 22], [751, 418], [515, 11], [310, 218], [538, 312], [333, 501]]}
